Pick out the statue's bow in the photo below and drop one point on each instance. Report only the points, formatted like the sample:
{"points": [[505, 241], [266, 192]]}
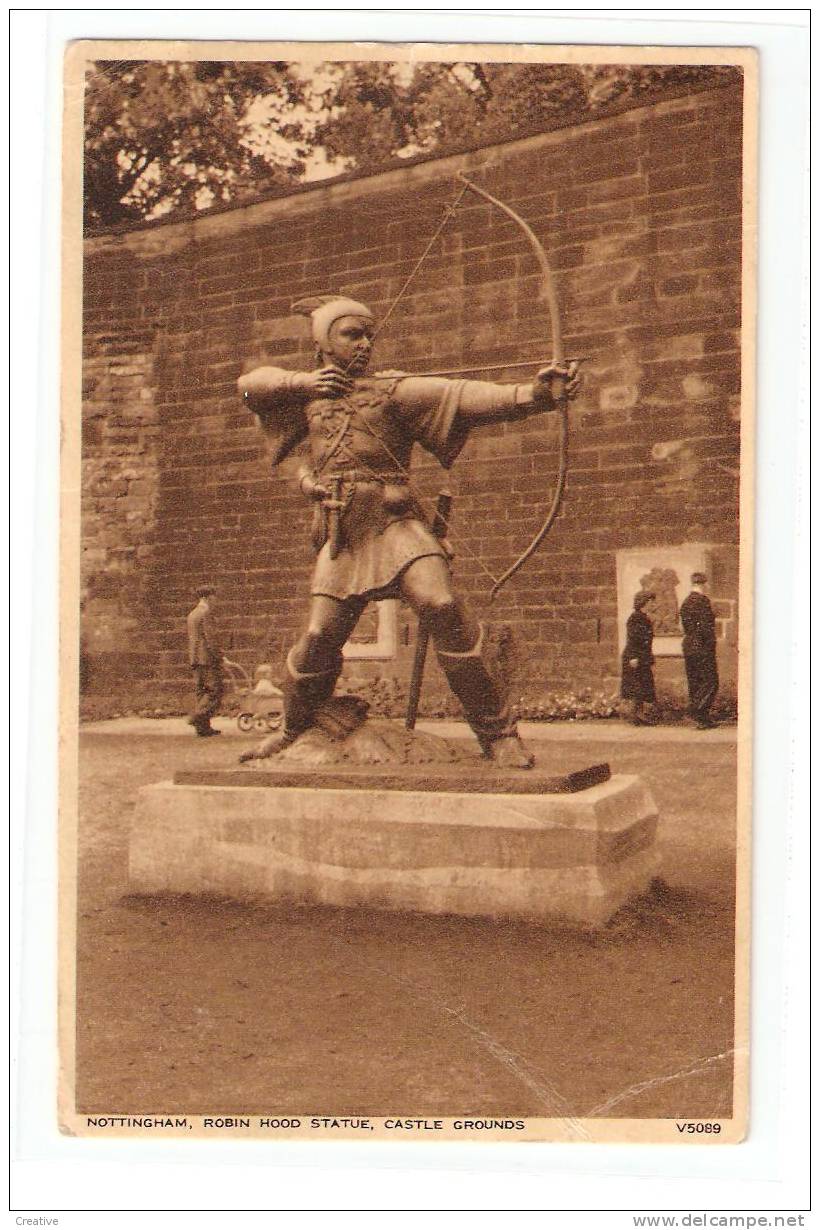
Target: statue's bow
{"points": [[558, 357]]}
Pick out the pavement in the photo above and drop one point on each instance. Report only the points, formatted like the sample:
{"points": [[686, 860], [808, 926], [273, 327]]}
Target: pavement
{"points": [[592, 731], [194, 1003]]}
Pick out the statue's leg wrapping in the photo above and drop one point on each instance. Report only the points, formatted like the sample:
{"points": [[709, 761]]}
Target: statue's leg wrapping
{"points": [[304, 691], [486, 710]]}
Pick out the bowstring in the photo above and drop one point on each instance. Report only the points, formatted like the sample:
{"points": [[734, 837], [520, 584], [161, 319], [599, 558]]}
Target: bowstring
{"points": [[448, 214]]}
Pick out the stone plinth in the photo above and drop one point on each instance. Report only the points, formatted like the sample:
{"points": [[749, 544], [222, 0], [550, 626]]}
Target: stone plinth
{"points": [[522, 853]]}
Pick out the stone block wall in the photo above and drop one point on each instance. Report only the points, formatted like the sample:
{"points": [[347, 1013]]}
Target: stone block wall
{"points": [[641, 215]]}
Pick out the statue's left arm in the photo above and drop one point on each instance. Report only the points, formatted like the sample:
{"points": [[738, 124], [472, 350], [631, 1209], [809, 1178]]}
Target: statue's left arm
{"points": [[441, 412], [483, 401]]}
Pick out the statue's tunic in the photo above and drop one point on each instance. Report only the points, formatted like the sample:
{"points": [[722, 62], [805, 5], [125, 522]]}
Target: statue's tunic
{"points": [[360, 447]]}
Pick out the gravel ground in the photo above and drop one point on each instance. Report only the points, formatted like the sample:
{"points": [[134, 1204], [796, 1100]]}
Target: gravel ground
{"points": [[192, 1006]]}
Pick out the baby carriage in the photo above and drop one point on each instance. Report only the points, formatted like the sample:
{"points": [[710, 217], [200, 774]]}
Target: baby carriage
{"points": [[260, 706]]}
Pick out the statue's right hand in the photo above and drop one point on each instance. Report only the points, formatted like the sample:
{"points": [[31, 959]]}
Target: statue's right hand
{"points": [[327, 382], [312, 488]]}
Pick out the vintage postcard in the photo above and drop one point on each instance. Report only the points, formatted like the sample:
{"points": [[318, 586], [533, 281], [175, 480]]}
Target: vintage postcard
{"points": [[408, 439]]}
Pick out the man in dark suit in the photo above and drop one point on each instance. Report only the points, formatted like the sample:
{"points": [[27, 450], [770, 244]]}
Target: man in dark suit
{"points": [[206, 660], [699, 656]]}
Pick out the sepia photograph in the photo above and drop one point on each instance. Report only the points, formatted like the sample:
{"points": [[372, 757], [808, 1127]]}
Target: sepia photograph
{"points": [[408, 438]]}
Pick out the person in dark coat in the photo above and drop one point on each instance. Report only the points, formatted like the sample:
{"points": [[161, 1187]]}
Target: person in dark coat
{"points": [[637, 680], [699, 652]]}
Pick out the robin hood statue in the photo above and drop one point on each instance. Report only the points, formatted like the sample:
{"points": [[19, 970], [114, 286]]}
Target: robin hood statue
{"points": [[371, 535]]}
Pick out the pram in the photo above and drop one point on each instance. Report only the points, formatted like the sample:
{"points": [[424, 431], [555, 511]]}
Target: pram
{"points": [[260, 706]]}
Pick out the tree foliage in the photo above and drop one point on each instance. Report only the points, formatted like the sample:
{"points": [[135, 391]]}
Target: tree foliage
{"points": [[375, 112], [167, 137], [163, 136]]}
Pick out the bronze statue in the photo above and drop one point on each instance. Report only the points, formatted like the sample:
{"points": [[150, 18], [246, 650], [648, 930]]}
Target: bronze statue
{"points": [[370, 532]]}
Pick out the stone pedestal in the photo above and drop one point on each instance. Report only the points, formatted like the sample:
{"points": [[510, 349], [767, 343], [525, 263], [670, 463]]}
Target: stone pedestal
{"points": [[520, 853]]}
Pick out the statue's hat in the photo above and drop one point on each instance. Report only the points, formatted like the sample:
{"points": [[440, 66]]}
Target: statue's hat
{"points": [[324, 310]]}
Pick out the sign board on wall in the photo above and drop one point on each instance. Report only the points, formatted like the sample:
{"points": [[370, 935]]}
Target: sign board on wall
{"points": [[666, 571]]}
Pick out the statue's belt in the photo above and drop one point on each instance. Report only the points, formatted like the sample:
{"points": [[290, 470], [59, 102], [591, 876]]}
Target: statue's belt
{"points": [[363, 476], [343, 483]]}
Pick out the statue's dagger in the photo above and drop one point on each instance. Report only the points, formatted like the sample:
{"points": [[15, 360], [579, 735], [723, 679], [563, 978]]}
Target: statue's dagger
{"points": [[333, 507]]}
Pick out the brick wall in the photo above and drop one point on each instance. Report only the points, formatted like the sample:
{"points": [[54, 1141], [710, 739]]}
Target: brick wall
{"points": [[641, 216]]}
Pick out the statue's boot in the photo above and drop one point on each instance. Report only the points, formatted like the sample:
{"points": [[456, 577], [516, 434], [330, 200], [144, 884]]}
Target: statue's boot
{"points": [[303, 692], [486, 711]]}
